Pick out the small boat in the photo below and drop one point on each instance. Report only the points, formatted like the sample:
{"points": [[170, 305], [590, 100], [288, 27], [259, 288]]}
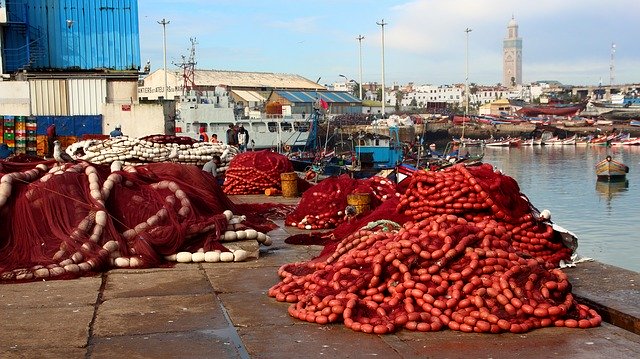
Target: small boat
{"points": [[508, 142], [634, 123], [611, 170], [569, 141], [625, 140]]}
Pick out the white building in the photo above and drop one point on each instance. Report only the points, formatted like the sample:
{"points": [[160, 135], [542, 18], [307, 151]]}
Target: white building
{"points": [[424, 94]]}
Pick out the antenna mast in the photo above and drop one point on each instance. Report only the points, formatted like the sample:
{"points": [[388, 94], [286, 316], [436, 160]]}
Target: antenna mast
{"points": [[188, 66]]}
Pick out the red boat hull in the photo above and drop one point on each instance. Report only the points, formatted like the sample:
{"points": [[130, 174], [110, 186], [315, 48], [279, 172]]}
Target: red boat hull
{"points": [[555, 110]]}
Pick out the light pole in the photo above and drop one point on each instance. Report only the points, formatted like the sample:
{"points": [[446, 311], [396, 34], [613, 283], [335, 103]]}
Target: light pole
{"points": [[611, 65], [466, 82], [381, 24], [360, 38], [164, 24]]}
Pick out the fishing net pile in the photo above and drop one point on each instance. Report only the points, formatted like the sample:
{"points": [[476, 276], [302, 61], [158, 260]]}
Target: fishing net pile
{"points": [[254, 172], [453, 264], [67, 220], [151, 149], [326, 204]]}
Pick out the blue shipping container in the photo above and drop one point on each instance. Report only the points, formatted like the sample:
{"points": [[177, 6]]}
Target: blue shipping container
{"points": [[73, 34], [70, 125]]}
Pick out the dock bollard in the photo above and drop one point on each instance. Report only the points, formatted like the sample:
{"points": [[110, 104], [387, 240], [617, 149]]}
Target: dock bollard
{"points": [[289, 183]]}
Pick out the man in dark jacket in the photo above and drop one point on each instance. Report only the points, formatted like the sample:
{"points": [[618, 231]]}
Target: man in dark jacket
{"points": [[51, 136], [232, 136]]}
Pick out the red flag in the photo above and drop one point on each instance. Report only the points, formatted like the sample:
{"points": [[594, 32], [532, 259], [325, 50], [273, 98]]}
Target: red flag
{"points": [[324, 104]]}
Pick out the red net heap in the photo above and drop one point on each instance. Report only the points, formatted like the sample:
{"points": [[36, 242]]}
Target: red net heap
{"points": [[323, 206]]}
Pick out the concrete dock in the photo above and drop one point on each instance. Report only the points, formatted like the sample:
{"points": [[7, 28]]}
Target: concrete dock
{"points": [[221, 310]]}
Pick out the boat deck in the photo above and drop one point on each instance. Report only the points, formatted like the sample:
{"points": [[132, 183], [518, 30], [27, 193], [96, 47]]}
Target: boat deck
{"points": [[221, 310]]}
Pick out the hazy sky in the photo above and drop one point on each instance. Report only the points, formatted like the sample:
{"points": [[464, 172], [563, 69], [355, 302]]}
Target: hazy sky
{"points": [[424, 40]]}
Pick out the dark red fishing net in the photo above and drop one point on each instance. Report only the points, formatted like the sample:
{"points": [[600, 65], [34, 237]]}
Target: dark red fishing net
{"points": [[323, 206], [453, 264], [79, 218]]}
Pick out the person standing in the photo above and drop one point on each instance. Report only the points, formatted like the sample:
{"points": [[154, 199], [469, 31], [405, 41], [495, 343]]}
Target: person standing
{"points": [[243, 138], [5, 152], [117, 132], [203, 135], [51, 136], [232, 136]]}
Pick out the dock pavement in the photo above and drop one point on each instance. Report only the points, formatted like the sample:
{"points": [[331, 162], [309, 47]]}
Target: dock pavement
{"points": [[221, 310]]}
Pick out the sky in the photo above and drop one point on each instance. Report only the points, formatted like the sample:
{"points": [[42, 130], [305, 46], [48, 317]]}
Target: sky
{"points": [[575, 42]]}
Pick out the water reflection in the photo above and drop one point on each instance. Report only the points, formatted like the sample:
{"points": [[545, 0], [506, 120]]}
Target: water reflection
{"points": [[611, 189]]}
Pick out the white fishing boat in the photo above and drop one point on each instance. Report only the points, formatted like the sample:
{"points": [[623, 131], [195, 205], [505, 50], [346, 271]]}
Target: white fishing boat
{"points": [[214, 114]]}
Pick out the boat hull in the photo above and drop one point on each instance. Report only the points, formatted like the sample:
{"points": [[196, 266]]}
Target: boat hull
{"points": [[610, 170]]}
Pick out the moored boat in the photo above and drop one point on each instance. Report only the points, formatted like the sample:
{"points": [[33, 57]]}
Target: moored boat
{"points": [[556, 109], [507, 142], [611, 170]]}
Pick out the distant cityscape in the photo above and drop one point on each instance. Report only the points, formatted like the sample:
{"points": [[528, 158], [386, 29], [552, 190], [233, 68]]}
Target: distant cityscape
{"points": [[412, 95]]}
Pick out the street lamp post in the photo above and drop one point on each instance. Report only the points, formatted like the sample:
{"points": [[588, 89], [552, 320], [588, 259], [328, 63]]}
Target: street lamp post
{"points": [[164, 24], [382, 24], [466, 81], [360, 38]]}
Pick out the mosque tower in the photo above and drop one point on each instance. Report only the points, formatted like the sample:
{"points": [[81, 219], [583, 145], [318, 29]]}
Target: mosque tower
{"points": [[512, 56]]}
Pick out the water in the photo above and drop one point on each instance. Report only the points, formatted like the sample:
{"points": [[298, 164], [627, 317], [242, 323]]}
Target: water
{"points": [[604, 216]]}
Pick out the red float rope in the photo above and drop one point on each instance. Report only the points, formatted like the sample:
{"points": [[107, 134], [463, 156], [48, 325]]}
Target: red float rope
{"points": [[254, 172], [462, 263]]}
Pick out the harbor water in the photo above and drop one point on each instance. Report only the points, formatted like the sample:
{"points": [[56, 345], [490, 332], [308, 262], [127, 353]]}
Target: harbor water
{"points": [[604, 216]]}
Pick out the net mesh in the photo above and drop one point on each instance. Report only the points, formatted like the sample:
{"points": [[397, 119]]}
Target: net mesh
{"points": [[62, 221]]}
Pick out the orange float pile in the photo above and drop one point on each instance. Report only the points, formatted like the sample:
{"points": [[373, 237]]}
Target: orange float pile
{"points": [[254, 172], [450, 266]]}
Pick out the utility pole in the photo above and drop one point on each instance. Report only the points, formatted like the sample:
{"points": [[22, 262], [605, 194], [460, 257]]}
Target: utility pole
{"points": [[611, 65], [360, 38], [466, 81], [164, 24], [384, 100]]}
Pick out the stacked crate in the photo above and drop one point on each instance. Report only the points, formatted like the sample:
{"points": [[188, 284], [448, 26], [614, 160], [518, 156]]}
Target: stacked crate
{"points": [[8, 135], [20, 134], [32, 144]]}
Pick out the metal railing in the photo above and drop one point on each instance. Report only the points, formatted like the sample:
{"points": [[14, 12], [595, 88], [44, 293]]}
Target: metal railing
{"points": [[24, 56]]}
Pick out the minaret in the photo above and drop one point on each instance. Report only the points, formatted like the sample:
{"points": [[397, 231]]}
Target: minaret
{"points": [[512, 56]]}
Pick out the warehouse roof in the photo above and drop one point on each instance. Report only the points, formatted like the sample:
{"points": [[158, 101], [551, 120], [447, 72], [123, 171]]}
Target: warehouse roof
{"points": [[312, 96], [252, 96], [239, 79]]}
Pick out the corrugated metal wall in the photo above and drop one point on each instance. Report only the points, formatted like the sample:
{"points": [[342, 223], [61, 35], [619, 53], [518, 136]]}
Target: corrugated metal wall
{"points": [[75, 96], [87, 34], [86, 96], [49, 97]]}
